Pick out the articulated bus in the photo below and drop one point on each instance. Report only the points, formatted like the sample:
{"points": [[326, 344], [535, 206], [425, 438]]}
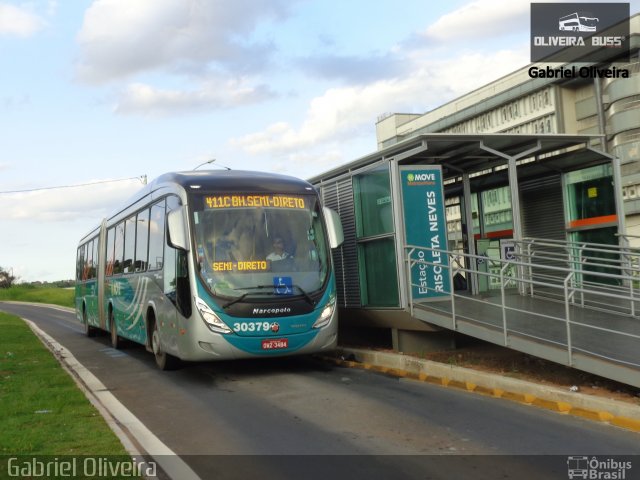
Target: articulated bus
{"points": [[213, 265]]}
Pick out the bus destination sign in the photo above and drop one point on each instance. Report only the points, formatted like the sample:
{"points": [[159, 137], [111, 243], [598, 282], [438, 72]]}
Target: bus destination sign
{"points": [[244, 201], [248, 266]]}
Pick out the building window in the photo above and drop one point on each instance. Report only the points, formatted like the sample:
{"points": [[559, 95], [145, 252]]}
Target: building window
{"points": [[496, 206], [632, 191]]}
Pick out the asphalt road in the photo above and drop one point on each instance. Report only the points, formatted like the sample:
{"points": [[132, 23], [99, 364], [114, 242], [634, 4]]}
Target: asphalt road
{"points": [[301, 417]]}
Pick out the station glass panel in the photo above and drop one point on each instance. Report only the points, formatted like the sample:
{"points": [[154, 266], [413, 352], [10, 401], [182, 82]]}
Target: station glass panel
{"points": [[590, 193], [378, 272], [374, 211], [590, 210], [375, 238], [599, 262]]}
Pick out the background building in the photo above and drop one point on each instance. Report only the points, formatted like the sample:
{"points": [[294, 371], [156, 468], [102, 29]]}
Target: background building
{"points": [[532, 174], [520, 104]]}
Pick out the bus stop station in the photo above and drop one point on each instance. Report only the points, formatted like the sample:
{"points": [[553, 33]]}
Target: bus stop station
{"points": [[518, 240]]}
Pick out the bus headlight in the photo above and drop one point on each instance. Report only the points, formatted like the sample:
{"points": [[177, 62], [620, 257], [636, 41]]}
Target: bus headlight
{"points": [[327, 313], [210, 318]]}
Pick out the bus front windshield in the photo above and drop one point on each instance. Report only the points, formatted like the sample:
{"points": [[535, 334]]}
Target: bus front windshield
{"points": [[258, 247]]}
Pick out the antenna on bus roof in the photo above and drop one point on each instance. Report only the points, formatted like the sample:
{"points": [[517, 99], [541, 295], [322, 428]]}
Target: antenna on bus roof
{"points": [[209, 162]]}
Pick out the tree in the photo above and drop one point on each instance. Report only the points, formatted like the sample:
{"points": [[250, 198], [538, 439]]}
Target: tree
{"points": [[7, 278]]}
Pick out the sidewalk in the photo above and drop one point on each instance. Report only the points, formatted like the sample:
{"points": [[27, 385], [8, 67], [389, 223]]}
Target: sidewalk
{"points": [[620, 414]]}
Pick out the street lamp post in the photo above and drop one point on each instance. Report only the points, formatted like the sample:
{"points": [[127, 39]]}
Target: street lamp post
{"points": [[205, 163]]}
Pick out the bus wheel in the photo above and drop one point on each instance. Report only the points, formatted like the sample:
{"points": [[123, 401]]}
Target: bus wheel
{"points": [[113, 329], [164, 360], [89, 331]]}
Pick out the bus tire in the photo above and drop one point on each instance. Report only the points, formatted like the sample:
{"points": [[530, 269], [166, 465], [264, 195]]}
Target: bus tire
{"points": [[89, 331], [164, 360], [113, 330]]}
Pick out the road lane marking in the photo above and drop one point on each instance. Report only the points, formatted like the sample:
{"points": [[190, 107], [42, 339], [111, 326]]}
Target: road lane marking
{"points": [[113, 353], [115, 413]]}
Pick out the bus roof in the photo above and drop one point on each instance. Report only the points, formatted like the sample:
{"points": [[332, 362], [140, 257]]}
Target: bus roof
{"points": [[223, 181], [233, 180]]}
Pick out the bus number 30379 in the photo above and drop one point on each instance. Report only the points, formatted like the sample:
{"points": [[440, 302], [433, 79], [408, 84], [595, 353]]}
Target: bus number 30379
{"points": [[252, 327]]}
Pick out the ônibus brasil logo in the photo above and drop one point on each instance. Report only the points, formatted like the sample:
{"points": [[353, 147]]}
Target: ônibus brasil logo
{"points": [[595, 468]]}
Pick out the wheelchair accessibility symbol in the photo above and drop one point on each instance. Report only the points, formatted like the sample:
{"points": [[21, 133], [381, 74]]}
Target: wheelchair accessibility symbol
{"points": [[283, 285], [508, 249]]}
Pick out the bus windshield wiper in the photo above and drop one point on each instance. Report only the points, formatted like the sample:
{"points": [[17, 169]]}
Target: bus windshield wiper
{"points": [[306, 296], [244, 295]]}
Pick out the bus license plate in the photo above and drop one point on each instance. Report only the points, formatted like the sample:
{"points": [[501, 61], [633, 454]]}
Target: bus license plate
{"points": [[275, 344]]}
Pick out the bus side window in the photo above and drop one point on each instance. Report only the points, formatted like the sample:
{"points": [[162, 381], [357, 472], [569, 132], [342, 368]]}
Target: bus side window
{"points": [[119, 249], [129, 244], [94, 259], [110, 252], [142, 241], [86, 270], [80, 263], [156, 236]]}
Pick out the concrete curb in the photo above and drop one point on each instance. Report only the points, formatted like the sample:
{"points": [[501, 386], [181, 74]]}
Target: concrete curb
{"points": [[127, 427], [610, 411]]}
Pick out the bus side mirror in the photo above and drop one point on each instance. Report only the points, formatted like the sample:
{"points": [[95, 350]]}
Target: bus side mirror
{"points": [[334, 227], [177, 228]]}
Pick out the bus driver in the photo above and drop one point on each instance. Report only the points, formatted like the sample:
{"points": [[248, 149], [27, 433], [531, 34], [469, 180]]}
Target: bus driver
{"points": [[279, 253]]}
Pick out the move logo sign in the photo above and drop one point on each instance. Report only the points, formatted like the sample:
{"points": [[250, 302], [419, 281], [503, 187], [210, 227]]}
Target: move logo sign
{"points": [[586, 32], [418, 178]]}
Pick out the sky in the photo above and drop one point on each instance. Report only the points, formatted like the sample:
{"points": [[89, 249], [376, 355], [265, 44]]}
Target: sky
{"points": [[96, 95]]}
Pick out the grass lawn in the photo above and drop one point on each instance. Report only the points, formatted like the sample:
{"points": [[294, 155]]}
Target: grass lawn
{"points": [[26, 293], [42, 411]]}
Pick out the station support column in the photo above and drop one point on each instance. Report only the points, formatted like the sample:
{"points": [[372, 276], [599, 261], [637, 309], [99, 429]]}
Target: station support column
{"points": [[512, 165], [471, 242]]}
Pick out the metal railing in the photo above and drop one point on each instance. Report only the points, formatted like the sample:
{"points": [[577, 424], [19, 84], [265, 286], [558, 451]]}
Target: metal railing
{"points": [[569, 321], [587, 261]]}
